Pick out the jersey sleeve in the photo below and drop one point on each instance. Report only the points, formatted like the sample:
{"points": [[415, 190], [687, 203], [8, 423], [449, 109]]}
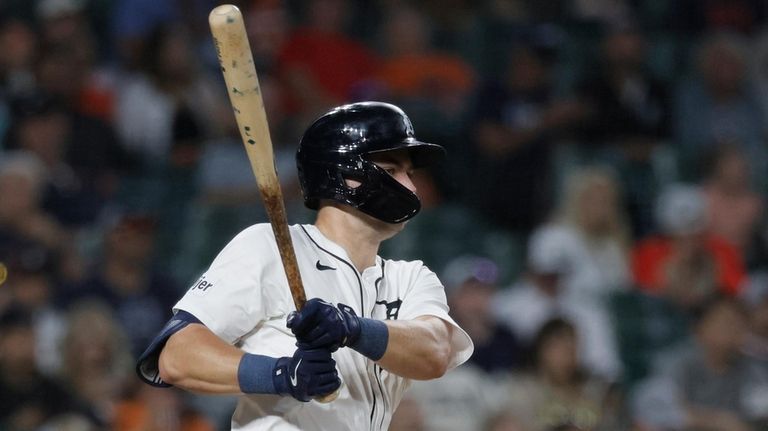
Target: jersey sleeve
{"points": [[426, 297], [228, 298]]}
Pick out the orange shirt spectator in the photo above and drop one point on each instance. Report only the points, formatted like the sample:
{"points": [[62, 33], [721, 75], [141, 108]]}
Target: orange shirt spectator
{"points": [[426, 74], [686, 262], [652, 256], [415, 71]]}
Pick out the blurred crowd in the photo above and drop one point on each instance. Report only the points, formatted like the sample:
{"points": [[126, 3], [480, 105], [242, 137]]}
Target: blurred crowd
{"points": [[599, 224]]}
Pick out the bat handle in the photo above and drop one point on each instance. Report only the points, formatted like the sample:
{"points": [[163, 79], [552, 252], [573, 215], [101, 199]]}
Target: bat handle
{"points": [[327, 398]]}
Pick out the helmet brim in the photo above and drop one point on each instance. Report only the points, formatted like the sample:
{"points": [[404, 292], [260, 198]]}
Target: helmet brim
{"points": [[423, 154]]}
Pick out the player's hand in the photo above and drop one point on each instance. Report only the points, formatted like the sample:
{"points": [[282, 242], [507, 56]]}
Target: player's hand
{"points": [[322, 324], [308, 374]]}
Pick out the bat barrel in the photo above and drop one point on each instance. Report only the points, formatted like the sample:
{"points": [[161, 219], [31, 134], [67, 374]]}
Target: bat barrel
{"points": [[237, 66]]}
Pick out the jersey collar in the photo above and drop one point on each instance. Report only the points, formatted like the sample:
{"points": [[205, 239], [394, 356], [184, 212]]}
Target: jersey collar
{"points": [[374, 271]]}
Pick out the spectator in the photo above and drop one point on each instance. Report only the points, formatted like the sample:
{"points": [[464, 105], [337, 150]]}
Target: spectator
{"points": [[31, 284], [81, 161], [139, 295], [685, 263], [461, 400], [22, 182], [588, 240], [133, 22], [471, 283], [717, 106], [67, 74], [624, 98], [628, 121], [592, 228], [68, 68], [557, 391], [167, 91], [414, 73], [27, 397], [514, 125], [734, 207], [158, 409], [705, 385], [535, 298], [18, 47], [321, 66], [268, 26], [96, 361]]}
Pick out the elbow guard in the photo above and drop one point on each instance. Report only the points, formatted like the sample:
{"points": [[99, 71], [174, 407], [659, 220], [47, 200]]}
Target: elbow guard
{"points": [[147, 366]]}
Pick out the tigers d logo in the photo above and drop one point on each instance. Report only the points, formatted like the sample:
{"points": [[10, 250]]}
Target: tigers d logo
{"points": [[393, 308]]}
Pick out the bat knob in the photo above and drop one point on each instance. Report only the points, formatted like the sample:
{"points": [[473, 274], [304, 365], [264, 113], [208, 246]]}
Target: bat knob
{"points": [[225, 9], [327, 398]]}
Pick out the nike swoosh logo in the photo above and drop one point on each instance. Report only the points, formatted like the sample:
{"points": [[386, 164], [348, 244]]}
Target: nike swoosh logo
{"points": [[293, 378], [322, 267]]}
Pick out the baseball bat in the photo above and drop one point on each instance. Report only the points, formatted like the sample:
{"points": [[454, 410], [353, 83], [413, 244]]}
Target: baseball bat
{"points": [[236, 60]]}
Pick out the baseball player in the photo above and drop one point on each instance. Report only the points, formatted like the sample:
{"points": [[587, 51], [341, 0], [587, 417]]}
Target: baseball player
{"points": [[373, 324]]}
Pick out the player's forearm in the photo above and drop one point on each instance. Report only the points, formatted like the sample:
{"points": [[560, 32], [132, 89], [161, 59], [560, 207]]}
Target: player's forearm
{"points": [[417, 349], [197, 360]]}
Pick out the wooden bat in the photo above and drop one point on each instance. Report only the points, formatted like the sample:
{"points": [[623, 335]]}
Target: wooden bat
{"points": [[239, 71]]}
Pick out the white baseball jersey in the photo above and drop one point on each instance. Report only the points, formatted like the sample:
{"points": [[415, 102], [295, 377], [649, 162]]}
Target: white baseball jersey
{"points": [[244, 299]]}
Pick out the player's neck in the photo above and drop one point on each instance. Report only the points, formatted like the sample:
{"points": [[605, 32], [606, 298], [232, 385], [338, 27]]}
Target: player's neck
{"points": [[356, 235]]}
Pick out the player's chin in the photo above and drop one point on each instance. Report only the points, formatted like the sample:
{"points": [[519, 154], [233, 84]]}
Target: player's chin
{"points": [[395, 228]]}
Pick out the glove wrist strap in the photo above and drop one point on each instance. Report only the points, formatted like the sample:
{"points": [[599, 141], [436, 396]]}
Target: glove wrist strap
{"points": [[373, 339], [255, 374]]}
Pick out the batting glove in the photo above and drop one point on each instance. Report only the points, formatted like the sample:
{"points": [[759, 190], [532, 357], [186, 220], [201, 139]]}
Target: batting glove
{"points": [[322, 324], [305, 375]]}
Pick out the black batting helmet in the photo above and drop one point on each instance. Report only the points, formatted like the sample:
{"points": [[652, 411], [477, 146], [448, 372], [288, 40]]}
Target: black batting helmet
{"points": [[336, 147]]}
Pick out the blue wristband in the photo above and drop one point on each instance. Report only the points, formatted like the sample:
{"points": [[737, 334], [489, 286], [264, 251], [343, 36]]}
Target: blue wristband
{"points": [[374, 336], [254, 374]]}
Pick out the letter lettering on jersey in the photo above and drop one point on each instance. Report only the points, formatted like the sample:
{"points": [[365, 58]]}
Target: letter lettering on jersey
{"points": [[202, 285]]}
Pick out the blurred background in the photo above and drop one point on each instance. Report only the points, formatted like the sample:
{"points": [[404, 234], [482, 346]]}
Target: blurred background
{"points": [[599, 224]]}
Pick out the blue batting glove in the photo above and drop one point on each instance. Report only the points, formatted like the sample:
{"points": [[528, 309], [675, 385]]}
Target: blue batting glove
{"points": [[308, 374], [320, 324]]}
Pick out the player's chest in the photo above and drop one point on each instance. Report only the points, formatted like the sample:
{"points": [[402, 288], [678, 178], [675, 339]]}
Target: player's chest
{"points": [[372, 293]]}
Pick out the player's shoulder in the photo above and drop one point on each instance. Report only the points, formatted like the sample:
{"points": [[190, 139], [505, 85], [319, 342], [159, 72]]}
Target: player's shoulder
{"points": [[406, 267], [400, 263], [254, 231], [260, 232]]}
